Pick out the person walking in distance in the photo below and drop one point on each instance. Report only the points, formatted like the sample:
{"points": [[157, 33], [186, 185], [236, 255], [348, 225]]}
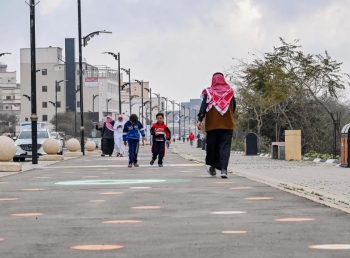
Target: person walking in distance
{"points": [[131, 134], [218, 107], [160, 134], [118, 136], [191, 137], [99, 128], [108, 136]]}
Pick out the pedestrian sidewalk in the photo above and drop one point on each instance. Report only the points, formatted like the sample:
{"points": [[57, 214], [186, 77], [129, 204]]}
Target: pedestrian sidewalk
{"points": [[321, 182]]}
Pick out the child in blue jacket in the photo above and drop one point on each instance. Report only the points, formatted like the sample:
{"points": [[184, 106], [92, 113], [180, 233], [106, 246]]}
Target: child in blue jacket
{"points": [[131, 134]]}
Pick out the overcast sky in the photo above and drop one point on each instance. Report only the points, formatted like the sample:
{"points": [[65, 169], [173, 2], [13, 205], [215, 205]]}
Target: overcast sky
{"points": [[178, 45]]}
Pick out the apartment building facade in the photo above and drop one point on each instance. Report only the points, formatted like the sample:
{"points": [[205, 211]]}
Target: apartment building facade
{"points": [[10, 92]]}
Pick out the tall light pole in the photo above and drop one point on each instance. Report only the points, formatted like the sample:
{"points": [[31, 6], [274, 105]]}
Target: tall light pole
{"points": [[179, 118], [108, 100], [93, 106], [166, 109], [83, 40], [141, 83], [189, 119], [75, 113], [34, 115], [127, 71], [57, 83], [150, 104], [195, 118], [54, 104], [122, 88], [184, 118], [173, 102], [158, 96], [117, 57]]}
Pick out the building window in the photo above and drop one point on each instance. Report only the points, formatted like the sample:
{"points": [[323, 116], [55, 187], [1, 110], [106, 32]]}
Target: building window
{"points": [[26, 119], [8, 97], [7, 107], [44, 71], [44, 88], [44, 118], [78, 103], [58, 104], [59, 88], [44, 104]]}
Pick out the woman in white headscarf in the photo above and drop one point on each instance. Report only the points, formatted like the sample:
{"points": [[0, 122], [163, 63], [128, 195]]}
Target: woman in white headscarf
{"points": [[118, 136]]}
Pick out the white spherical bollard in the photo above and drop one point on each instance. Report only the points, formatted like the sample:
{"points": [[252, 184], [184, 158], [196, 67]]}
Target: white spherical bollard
{"points": [[73, 145], [99, 146], [90, 146], [7, 148], [51, 146]]}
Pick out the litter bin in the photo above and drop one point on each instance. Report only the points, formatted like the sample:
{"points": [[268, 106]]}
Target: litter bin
{"points": [[199, 143], [203, 144], [344, 145], [251, 144], [278, 150]]}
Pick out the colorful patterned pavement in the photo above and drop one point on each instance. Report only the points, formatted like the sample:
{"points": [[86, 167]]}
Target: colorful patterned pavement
{"points": [[97, 207]]}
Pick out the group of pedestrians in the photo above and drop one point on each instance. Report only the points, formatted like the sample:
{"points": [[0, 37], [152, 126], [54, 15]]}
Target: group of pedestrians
{"points": [[217, 108]]}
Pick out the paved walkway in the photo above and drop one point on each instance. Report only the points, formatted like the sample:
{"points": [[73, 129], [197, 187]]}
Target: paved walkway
{"points": [[97, 207], [322, 182]]}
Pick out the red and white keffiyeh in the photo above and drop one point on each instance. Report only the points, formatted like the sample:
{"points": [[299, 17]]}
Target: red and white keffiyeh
{"points": [[108, 123], [219, 94]]}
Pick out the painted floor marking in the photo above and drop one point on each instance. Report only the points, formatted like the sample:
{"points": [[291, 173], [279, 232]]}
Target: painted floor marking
{"points": [[227, 212], [2, 239], [122, 221], [111, 182], [259, 198], [233, 232], [241, 188], [97, 200], [96, 247], [294, 219], [34, 189], [146, 207], [140, 187], [27, 214], [331, 247], [111, 193], [8, 199]]}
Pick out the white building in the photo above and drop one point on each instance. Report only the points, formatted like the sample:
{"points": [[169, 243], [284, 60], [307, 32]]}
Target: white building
{"points": [[10, 92]]}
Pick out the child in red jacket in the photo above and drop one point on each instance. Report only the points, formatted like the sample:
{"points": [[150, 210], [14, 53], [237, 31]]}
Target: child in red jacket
{"points": [[160, 133]]}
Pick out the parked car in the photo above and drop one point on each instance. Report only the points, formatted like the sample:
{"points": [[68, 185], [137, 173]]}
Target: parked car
{"points": [[24, 144], [95, 140]]}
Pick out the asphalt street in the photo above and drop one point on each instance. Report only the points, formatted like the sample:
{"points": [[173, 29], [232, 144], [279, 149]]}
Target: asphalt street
{"points": [[97, 207]]}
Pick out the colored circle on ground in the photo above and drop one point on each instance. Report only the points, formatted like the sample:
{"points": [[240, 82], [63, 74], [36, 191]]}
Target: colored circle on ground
{"points": [[241, 188], [33, 189], [294, 219], [122, 221], [27, 214], [96, 247], [233, 232], [112, 182], [3, 182], [146, 207], [8, 199], [97, 200], [331, 247], [140, 187], [2, 239], [111, 193], [227, 212], [259, 198]]}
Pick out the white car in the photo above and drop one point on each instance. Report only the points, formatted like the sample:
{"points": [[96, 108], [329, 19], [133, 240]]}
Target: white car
{"points": [[24, 144]]}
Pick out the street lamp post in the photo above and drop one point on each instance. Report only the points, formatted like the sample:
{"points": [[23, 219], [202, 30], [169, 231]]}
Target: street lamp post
{"points": [[93, 106], [158, 96], [150, 104], [34, 115], [83, 40], [57, 83], [127, 71], [141, 83], [195, 118], [173, 102], [166, 109], [179, 117], [184, 118], [108, 100], [189, 119], [117, 57]]}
